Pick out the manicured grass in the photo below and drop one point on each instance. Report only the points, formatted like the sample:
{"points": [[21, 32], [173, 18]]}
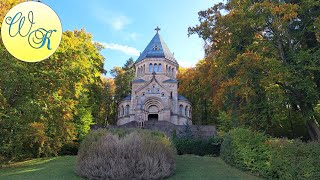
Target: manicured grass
{"points": [[203, 167], [42, 169], [188, 167]]}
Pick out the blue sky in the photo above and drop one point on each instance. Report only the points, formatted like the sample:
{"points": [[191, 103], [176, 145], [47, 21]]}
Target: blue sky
{"points": [[126, 27]]}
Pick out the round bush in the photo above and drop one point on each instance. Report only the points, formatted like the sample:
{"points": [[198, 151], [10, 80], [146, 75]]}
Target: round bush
{"points": [[136, 154]]}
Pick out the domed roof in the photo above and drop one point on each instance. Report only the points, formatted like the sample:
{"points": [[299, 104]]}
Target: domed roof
{"points": [[157, 48], [180, 97]]}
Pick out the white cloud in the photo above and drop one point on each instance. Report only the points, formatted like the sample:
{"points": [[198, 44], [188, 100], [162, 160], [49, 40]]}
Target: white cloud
{"points": [[133, 36], [116, 20], [119, 22], [123, 48]]}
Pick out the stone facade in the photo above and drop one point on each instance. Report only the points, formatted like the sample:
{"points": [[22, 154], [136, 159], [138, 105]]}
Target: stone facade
{"points": [[154, 95]]}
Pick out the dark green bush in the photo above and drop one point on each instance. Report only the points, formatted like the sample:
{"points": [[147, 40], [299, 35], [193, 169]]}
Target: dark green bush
{"points": [[200, 147], [246, 150], [128, 154], [69, 149], [293, 159], [271, 158]]}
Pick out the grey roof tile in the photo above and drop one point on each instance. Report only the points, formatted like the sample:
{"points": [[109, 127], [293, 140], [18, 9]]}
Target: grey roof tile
{"points": [[138, 81], [180, 97], [157, 48], [170, 81], [127, 98]]}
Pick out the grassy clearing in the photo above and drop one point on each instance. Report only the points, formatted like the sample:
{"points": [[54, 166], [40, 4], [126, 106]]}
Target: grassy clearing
{"points": [[188, 167]]}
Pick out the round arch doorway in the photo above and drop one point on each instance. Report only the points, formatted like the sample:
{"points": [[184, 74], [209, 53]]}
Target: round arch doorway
{"points": [[153, 117], [153, 111]]}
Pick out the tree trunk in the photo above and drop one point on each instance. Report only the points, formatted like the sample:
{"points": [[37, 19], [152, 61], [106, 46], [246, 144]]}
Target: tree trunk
{"points": [[313, 129]]}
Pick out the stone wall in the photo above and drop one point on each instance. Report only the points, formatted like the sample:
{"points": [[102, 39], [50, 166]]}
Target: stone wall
{"points": [[196, 131]]}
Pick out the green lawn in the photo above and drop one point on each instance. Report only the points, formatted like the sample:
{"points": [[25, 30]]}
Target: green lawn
{"points": [[188, 167]]}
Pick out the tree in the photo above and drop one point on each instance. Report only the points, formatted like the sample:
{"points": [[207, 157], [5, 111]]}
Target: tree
{"points": [[47, 104], [123, 76], [268, 73], [196, 84]]}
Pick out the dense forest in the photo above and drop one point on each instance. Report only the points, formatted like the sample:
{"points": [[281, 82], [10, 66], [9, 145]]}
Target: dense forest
{"points": [[261, 70]]}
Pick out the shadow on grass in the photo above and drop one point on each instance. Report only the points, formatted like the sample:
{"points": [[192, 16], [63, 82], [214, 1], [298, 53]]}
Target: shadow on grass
{"points": [[24, 171], [47, 168]]}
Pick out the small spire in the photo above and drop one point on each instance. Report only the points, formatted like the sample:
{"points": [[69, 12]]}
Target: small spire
{"points": [[157, 29]]}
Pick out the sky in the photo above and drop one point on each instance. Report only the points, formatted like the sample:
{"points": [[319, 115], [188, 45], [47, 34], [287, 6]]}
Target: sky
{"points": [[126, 27]]}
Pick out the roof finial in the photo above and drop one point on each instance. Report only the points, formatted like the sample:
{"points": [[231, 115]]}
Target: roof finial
{"points": [[157, 29]]}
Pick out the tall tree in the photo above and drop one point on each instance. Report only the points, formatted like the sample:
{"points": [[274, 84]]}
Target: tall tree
{"points": [[123, 76], [196, 84], [47, 104], [266, 53]]}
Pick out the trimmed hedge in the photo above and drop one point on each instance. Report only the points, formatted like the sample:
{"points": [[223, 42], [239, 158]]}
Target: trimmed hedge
{"points": [[199, 147], [294, 159], [246, 150], [271, 158]]}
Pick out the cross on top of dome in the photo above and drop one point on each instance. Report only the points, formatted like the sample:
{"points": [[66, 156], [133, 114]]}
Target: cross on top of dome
{"points": [[157, 48], [157, 29]]}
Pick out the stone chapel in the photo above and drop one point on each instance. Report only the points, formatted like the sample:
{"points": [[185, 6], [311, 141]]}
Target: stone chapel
{"points": [[154, 95]]}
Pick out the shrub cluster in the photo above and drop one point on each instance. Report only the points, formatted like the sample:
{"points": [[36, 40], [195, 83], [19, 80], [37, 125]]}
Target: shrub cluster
{"points": [[199, 147], [70, 148], [134, 154], [293, 159], [271, 158], [246, 150]]}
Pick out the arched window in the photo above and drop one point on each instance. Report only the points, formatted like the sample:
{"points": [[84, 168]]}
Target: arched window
{"points": [[119, 111], [181, 109], [150, 68], [127, 110], [186, 111], [169, 71], [122, 111], [144, 68], [172, 74], [160, 68], [166, 69], [155, 67]]}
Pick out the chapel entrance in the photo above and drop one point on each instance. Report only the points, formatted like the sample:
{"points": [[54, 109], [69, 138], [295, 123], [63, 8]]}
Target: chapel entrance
{"points": [[153, 117]]}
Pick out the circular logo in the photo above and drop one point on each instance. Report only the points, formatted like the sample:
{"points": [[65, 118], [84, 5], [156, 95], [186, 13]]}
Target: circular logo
{"points": [[31, 31]]}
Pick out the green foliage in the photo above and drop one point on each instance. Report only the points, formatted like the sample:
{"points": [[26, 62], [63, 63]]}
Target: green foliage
{"points": [[195, 84], [47, 104], [293, 159], [246, 149], [261, 66], [123, 76], [224, 122], [271, 158], [70, 148], [199, 147], [137, 155]]}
